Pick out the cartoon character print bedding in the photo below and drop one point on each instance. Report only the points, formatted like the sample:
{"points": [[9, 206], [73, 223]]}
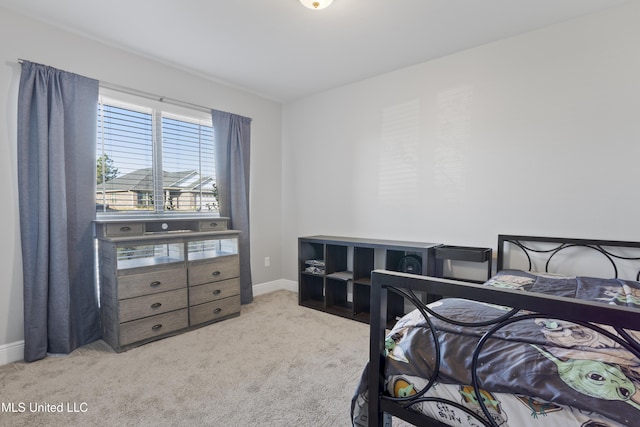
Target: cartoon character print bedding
{"points": [[534, 372]]}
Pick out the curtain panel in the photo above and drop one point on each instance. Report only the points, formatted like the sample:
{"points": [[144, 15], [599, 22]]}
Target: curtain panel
{"points": [[56, 182], [232, 139]]}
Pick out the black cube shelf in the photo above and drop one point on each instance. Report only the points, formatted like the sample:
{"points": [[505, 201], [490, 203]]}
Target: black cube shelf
{"points": [[335, 272]]}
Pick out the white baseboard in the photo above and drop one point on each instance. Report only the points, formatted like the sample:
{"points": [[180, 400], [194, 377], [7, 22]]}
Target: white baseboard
{"points": [[276, 285], [11, 352]]}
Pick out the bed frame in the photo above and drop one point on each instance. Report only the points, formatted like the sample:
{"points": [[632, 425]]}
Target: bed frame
{"points": [[529, 250]]}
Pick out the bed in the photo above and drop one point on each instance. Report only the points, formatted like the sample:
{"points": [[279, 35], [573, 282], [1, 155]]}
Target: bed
{"points": [[536, 345]]}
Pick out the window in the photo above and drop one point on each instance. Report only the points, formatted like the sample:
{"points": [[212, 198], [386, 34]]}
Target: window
{"points": [[153, 157]]}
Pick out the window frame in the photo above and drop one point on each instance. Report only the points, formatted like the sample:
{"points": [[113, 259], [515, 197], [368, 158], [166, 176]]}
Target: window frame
{"points": [[157, 108]]}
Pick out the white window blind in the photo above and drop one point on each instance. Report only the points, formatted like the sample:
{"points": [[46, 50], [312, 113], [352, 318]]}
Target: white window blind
{"points": [[153, 158]]}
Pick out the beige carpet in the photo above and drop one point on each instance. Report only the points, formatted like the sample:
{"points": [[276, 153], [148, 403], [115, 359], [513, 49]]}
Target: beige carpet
{"points": [[278, 364]]}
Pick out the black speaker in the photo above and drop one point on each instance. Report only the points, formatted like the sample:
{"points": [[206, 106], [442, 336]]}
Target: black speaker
{"points": [[411, 264]]}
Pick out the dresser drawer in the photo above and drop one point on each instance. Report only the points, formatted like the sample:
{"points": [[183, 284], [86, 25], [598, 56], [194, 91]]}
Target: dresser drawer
{"points": [[214, 310], [124, 229], [137, 285], [213, 291], [221, 268], [153, 326], [149, 305], [213, 225]]}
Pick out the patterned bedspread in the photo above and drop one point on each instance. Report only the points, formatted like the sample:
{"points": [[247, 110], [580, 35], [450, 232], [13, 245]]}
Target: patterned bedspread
{"points": [[533, 372]]}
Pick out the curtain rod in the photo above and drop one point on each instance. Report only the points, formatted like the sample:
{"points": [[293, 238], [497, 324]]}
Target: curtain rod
{"points": [[152, 96], [148, 95]]}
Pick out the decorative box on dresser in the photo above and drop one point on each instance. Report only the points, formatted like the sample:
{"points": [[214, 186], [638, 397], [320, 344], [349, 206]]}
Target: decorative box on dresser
{"points": [[162, 277]]}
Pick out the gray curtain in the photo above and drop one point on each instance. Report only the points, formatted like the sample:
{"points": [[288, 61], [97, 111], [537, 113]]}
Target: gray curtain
{"points": [[232, 139], [56, 182]]}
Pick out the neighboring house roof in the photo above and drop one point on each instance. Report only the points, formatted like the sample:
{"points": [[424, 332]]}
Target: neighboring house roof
{"points": [[141, 180]]}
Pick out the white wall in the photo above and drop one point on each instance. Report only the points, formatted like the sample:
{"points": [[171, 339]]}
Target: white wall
{"points": [[538, 134], [28, 39]]}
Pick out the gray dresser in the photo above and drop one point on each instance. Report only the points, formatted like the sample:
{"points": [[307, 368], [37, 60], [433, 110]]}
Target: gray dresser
{"points": [[163, 277]]}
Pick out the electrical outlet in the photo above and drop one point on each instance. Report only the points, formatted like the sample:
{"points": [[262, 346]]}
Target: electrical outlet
{"points": [[267, 261]]}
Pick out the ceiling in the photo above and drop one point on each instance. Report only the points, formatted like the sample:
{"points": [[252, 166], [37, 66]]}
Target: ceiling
{"points": [[283, 51]]}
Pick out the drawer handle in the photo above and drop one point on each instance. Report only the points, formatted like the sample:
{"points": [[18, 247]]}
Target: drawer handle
{"points": [[155, 284], [125, 228], [156, 327], [215, 273], [217, 310], [217, 292], [213, 224], [156, 305]]}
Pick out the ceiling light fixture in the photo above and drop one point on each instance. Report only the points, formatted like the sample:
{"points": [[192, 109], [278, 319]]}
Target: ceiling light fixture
{"points": [[316, 4]]}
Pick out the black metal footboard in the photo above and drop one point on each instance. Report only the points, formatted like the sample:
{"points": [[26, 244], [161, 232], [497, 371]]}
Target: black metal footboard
{"points": [[525, 305]]}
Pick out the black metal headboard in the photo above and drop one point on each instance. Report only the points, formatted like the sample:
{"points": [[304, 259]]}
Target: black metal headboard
{"points": [[617, 254]]}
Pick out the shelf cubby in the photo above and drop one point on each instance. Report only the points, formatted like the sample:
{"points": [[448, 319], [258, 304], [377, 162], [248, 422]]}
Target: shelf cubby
{"points": [[336, 259], [363, 264], [336, 297], [311, 290]]}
